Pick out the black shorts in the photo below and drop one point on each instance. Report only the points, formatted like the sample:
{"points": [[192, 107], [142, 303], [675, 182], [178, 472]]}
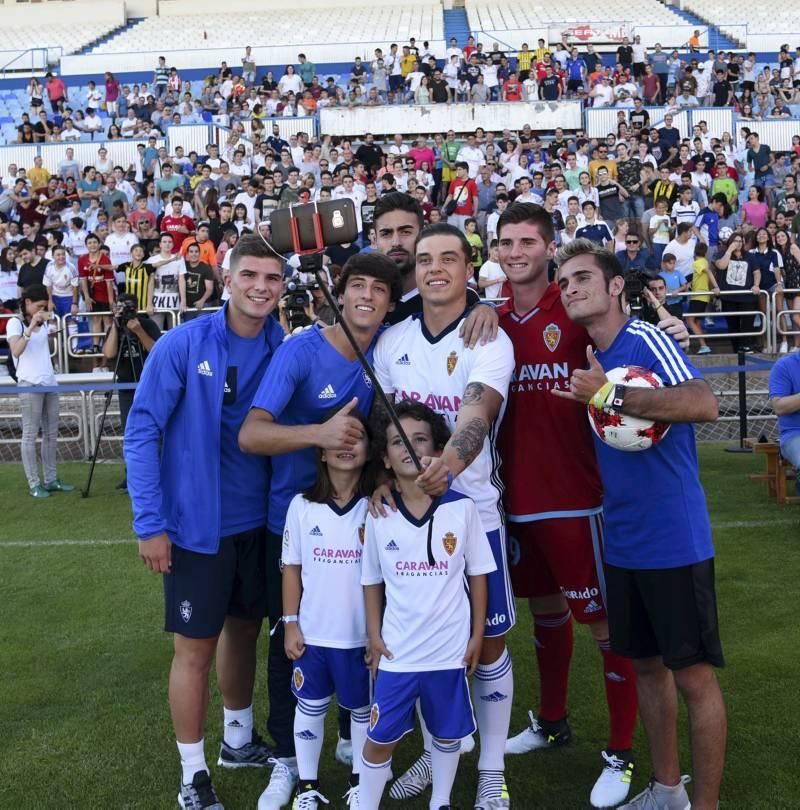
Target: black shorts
{"points": [[274, 575], [202, 589], [669, 613], [696, 307], [573, 85]]}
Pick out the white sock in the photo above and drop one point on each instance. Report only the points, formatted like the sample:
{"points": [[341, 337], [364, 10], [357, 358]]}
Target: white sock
{"points": [[372, 781], [493, 690], [309, 732], [426, 735], [444, 756], [193, 759], [238, 726], [359, 723]]}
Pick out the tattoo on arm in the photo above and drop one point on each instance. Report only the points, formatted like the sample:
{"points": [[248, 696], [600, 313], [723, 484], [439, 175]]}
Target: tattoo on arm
{"points": [[468, 441], [473, 393]]}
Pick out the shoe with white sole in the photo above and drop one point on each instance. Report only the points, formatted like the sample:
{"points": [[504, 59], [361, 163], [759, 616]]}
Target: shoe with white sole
{"points": [[539, 735], [344, 752], [614, 783], [255, 754], [351, 797], [308, 798], [492, 791], [414, 781], [281, 785], [659, 797], [200, 795]]}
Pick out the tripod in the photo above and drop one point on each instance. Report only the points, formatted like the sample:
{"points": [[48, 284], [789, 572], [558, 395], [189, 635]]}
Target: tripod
{"points": [[124, 345]]}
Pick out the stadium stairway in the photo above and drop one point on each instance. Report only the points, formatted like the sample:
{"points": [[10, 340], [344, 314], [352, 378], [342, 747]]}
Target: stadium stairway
{"points": [[716, 39], [456, 24], [129, 24]]}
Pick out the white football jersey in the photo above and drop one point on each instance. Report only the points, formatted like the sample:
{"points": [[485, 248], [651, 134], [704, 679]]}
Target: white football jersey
{"points": [[411, 364], [327, 542], [427, 622]]}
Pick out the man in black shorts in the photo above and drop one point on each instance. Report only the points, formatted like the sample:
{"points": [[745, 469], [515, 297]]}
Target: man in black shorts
{"points": [[662, 610], [200, 512]]}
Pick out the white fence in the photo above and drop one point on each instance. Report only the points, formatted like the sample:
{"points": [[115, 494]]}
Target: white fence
{"points": [[404, 118]]}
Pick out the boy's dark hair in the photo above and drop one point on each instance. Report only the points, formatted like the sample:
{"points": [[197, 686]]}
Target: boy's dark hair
{"points": [[700, 249], [321, 491], [255, 247], [398, 202], [375, 265], [531, 213], [440, 432], [445, 229]]}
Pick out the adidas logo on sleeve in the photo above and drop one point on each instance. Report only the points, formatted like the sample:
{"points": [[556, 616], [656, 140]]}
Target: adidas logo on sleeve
{"points": [[204, 369], [327, 393]]}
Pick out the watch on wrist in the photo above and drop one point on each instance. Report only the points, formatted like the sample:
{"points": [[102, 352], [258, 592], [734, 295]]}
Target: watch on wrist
{"points": [[288, 619], [617, 398]]}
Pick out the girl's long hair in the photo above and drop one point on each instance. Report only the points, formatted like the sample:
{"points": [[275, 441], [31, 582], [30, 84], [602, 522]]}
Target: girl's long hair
{"points": [[321, 491]]}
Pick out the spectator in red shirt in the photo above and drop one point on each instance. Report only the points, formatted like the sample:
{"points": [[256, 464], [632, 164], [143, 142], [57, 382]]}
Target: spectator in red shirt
{"points": [[177, 224], [464, 193], [56, 92], [512, 89], [96, 276]]}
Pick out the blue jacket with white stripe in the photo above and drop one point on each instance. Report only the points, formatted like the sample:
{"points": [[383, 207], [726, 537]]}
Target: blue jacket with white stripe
{"points": [[172, 438]]}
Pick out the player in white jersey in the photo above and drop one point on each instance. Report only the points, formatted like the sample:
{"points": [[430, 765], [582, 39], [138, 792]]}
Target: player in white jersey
{"points": [[429, 637], [323, 607], [423, 359]]}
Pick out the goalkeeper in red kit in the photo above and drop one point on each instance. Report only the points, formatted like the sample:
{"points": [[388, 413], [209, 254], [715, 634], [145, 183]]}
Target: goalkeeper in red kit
{"points": [[553, 499]]}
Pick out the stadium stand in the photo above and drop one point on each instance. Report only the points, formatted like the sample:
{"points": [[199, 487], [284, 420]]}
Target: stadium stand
{"points": [[383, 23]]}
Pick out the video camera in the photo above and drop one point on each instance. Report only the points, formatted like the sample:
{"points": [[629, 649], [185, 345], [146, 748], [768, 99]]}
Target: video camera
{"points": [[635, 284], [127, 312], [297, 296]]}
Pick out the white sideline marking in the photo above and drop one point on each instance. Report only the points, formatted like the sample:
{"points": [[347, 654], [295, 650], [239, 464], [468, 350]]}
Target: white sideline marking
{"points": [[36, 543], [724, 524]]}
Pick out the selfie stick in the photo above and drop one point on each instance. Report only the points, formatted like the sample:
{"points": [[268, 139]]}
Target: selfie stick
{"points": [[311, 262]]}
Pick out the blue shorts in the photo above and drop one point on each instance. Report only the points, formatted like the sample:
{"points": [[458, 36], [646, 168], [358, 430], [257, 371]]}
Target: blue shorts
{"points": [[444, 701], [764, 180], [501, 610], [202, 589], [323, 671]]}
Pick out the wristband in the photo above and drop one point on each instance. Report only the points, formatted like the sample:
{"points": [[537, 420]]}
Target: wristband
{"points": [[602, 395], [617, 399], [287, 619]]}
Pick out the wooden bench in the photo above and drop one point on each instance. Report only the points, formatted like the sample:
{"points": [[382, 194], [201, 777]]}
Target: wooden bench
{"points": [[778, 471]]}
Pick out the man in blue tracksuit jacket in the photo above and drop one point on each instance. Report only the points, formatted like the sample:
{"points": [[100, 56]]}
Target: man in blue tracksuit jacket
{"points": [[200, 512]]}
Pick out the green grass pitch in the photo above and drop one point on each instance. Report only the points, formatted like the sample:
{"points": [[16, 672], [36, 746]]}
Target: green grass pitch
{"points": [[83, 711]]}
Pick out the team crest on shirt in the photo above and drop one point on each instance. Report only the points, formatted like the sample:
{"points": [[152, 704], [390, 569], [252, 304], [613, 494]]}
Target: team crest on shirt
{"points": [[449, 541], [552, 336], [186, 610], [361, 534], [452, 359], [299, 678], [374, 716]]}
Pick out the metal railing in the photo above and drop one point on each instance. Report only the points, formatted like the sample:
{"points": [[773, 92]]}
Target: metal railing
{"points": [[765, 330]]}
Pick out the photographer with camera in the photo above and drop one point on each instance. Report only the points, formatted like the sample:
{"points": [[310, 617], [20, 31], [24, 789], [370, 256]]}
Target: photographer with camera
{"points": [[129, 340], [304, 304]]}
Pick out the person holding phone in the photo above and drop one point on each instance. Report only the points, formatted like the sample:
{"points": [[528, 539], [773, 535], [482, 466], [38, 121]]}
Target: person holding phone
{"points": [[29, 342]]}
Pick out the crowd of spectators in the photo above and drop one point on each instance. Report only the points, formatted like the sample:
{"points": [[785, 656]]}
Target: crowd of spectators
{"points": [[638, 77], [160, 228]]}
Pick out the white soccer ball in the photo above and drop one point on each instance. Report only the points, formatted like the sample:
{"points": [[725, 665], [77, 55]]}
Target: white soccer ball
{"points": [[725, 233], [619, 430]]}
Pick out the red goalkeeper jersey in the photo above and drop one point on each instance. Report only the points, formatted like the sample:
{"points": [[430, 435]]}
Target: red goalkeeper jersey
{"points": [[549, 466]]}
